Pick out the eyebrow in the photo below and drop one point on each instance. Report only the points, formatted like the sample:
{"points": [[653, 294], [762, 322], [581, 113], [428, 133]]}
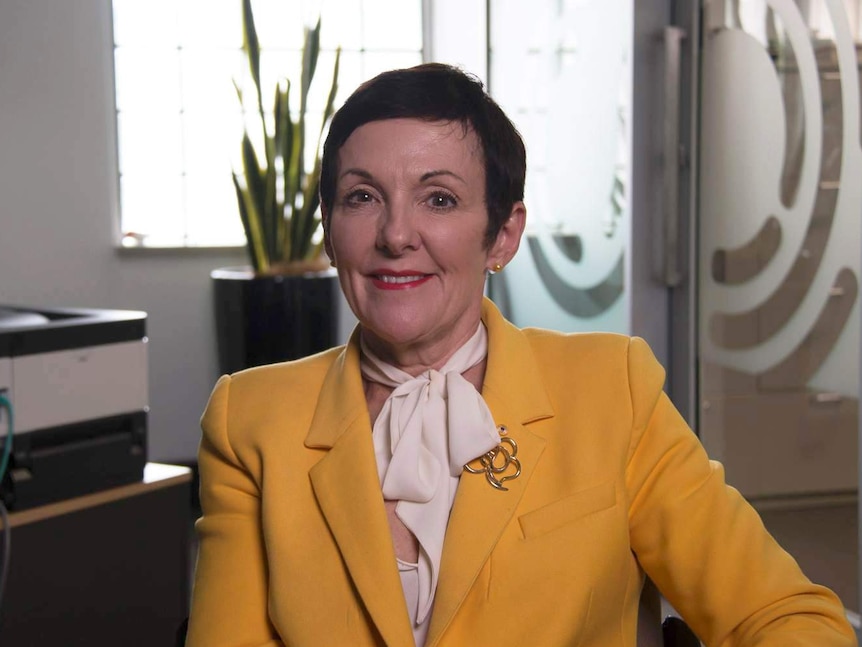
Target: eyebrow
{"points": [[357, 171], [424, 178], [432, 174]]}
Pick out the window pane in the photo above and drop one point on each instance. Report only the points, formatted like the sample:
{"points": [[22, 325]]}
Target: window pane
{"points": [[376, 62], [213, 216], [279, 24], [152, 141], [208, 23], [391, 25], [342, 25], [349, 75], [319, 91], [179, 119], [211, 142], [148, 78], [275, 65], [149, 23], [207, 78], [152, 206]]}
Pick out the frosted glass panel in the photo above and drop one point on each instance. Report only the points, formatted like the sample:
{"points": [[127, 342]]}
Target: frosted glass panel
{"points": [[780, 243], [779, 257], [566, 83]]}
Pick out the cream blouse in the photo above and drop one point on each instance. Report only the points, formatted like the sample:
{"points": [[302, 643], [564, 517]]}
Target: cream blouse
{"points": [[429, 427]]}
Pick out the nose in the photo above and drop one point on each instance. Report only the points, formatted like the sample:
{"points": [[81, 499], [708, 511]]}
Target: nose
{"points": [[397, 232]]}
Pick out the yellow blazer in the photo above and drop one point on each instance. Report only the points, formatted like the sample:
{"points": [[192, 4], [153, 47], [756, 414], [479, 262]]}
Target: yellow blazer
{"points": [[295, 548]]}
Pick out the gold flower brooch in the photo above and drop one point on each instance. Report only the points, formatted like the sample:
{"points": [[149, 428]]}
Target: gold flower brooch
{"points": [[499, 465]]}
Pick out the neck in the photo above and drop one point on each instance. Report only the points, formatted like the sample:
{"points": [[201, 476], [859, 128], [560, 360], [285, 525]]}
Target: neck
{"points": [[376, 394], [416, 358]]}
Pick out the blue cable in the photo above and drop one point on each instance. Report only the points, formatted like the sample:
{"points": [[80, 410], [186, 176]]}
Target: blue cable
{"points": [[7, 445]]}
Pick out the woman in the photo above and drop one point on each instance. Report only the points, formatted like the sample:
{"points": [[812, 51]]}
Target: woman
{"points": [[446, 478]]}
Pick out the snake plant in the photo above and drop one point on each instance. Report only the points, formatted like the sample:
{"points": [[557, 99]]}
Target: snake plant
{"points": [[277, 196]]}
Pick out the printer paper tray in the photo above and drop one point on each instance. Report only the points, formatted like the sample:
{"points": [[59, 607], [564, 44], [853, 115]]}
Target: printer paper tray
{"points": [[61, 463]]}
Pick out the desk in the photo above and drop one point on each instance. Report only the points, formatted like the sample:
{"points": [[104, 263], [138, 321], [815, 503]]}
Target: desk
{"points": [[109, 568]]}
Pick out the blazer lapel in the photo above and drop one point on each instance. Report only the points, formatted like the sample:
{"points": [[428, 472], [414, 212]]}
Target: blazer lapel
{"points": [[478, 518], [514, 392], [348, 491]]}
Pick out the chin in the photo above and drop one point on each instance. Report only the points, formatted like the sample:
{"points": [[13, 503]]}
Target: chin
{"points": [[401, 331]]}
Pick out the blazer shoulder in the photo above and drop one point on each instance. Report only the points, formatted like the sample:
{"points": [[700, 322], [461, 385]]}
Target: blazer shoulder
{"points": [[267, 404], [272, 389], [601, 359], [304, 369], [592, 344]]}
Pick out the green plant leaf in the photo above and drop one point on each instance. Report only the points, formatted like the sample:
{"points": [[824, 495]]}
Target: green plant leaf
{"points": [[281, 112], [256, 192], [309, 219], [251, 47], [329, 109], [274, 214], [308, 216], [279, 203], [296, 175], [299, 224], [251, 226], [310, 53], [238, 93], [251, 166], [293, 178]]}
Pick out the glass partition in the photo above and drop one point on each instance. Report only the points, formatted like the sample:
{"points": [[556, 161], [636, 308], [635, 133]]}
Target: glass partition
{"points": [[566, 83], [779, 262]]}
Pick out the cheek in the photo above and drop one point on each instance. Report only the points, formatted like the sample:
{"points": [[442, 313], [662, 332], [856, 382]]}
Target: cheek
{"points": [[465, 251], [346, 239]]}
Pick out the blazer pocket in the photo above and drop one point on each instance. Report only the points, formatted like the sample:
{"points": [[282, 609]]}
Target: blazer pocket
{"points": [[559, 513]]}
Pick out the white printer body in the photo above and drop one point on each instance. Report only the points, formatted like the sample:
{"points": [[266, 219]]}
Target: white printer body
{"points": [[78, 384]]}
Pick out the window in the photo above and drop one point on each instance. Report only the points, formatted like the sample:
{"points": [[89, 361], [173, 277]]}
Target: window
{"points": [[179, 123]]}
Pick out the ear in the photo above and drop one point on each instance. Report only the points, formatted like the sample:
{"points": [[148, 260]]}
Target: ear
{"points": [[509, 237]]}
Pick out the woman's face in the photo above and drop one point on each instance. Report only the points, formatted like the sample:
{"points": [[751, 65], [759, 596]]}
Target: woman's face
{"points": [[406, 233]]}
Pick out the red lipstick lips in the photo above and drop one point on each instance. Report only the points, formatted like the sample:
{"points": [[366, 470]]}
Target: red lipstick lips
{"points": [[404, 280]]}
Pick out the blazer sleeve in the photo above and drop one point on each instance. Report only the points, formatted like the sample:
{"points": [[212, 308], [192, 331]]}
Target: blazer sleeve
{"points": [[229, 598], [703, 545]]}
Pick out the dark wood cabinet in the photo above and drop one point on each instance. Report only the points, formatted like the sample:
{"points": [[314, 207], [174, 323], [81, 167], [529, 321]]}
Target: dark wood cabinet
{"points": [[110, 568]]}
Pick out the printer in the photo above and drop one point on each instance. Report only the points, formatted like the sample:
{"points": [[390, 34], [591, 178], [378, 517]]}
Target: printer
{"points": [[77, 382]]}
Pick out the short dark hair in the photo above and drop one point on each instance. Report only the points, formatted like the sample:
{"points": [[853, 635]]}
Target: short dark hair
{"points": [[435, 92]]}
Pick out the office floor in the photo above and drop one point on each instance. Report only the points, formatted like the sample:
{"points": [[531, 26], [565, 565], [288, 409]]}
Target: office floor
{"points": [[825, 542]]}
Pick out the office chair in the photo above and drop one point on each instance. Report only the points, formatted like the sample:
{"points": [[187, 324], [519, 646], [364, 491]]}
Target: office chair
{"points": [[675, 633], [655, 632], [182, 630]]}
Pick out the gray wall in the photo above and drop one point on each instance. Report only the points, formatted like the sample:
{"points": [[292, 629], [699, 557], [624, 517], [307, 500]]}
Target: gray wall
{"points": [[58, 199]]}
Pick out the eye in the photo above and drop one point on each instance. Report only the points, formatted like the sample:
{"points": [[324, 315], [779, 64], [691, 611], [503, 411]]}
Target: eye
{"points": [[442, 200], [358, 197]]}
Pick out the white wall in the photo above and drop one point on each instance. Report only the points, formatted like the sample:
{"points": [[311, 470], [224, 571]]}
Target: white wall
{"points": [[58, 204]]}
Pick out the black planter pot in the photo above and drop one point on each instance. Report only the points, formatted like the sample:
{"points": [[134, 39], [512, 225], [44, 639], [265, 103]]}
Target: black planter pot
{"points": [[266, 319]]}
